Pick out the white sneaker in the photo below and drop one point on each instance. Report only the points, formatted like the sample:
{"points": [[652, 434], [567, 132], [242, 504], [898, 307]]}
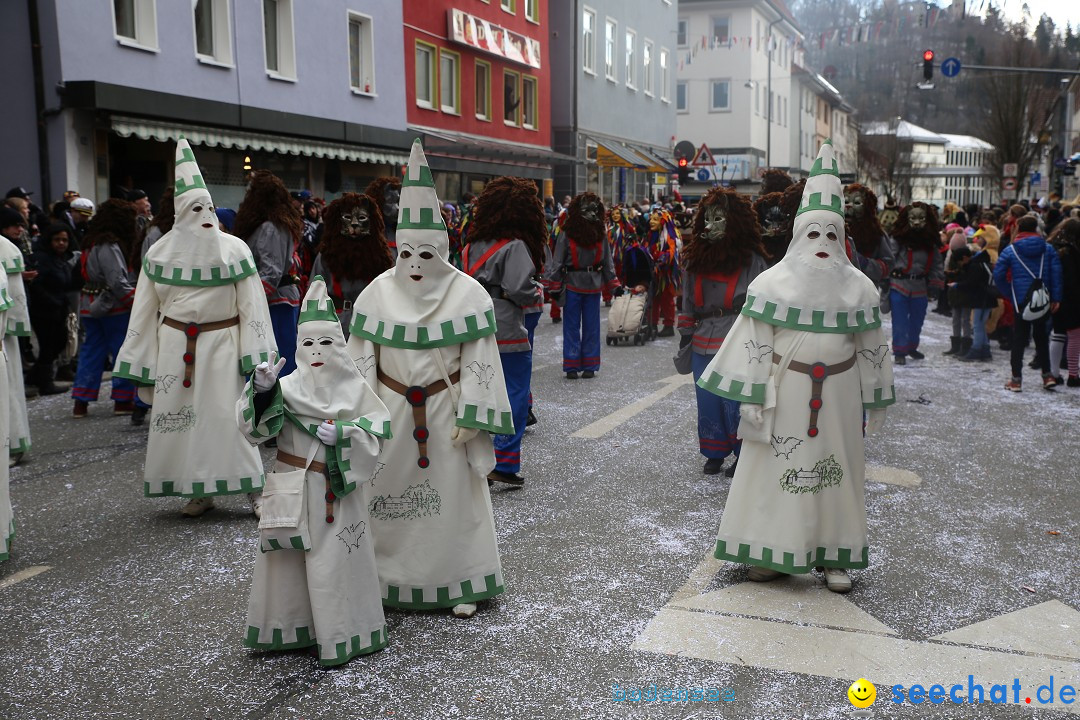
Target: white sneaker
{"points": [[760, 574], [256, 504], [837, 580], [197, 506], [465, 610]]}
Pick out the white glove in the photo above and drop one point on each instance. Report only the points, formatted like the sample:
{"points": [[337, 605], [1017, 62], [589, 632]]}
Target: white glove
{"points": [[327, 433], [875, 420], [461, 435], [751, 414], [266, 376]]}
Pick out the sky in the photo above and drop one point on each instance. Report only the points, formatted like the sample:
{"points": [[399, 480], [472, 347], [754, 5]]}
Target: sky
{"points": [[1062, 11]]}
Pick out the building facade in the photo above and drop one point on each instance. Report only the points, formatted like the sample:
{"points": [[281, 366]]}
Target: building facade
{"points": [[479, 90], [613, 108], [318, 97]]}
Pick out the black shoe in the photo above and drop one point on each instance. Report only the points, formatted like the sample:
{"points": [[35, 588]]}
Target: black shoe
{"points": [[916, 355], [668, 331], [588, 374], [65, 374], [532, 419], [714, 466], [1073, 381], [730, 472], [572, 375], [954, 346], [556, 321], [899, 360], [48, 388], [138, 415], [508, 478], [607, 303]]}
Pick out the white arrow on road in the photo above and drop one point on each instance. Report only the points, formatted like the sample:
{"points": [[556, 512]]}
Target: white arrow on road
{"points": [[609, 422]]}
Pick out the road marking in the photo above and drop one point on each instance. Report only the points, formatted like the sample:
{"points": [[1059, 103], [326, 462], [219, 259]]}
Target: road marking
{"points": [[795, 625], [892, 476], [609, 422], [23, 575]]}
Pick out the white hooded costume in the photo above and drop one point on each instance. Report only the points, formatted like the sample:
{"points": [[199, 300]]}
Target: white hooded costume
{"points": [[17, 325], [808, 349], [198, 325], [315, 581], [416, 328], [7, 517]]}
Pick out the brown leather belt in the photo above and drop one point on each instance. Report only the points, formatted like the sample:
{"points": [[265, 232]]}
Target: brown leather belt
{"points": [[817, 372], [316, 466], [417, 397], [191, 332]]}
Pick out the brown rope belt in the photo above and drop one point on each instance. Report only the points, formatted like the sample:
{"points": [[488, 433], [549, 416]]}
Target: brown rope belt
{"points": [[298, 462], [191, 332], [817, 372], [417, 397]]}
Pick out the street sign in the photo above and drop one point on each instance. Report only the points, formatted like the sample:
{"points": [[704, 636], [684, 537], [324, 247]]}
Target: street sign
{"points": [[1009, 170], [703, 158], [1069, 170], [1008, 184], [703, 175], [1036, 177], [950, 67]]}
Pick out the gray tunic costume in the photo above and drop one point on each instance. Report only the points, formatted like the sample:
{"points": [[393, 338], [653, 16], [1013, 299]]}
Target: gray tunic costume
{"points": [[505, 269], [585, 270], [273, 250], [711, 302], [914, 271], [110, 285]]}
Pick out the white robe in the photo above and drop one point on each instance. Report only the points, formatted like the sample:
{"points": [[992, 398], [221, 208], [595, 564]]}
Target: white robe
{"points": [[7, 517], [16, 326]]}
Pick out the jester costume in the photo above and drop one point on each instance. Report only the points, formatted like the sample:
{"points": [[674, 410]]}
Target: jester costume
{"points": [[663, 243]]}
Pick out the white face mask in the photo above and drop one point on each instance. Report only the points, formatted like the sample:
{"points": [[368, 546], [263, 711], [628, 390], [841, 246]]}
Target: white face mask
{"points": [[195, 215], [821, 244], [321, 355], [418, 265]]}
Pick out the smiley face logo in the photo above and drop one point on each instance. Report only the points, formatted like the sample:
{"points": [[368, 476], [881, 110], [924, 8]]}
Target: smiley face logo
{"points": [[862, 693]]}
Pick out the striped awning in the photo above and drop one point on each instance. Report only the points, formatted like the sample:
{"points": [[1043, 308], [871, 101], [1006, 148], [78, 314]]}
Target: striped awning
{"points": [[613, 154], [245, 140]]}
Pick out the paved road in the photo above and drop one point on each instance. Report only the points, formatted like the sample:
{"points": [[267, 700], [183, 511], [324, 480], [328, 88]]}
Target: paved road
{"points": [[606, 553]]}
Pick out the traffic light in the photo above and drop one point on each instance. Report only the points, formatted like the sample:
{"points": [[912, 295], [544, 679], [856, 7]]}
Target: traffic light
{"points": [[684, 171], [928, 65]]}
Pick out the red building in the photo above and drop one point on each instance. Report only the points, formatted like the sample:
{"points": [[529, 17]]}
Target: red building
{"points": [[478, 89]]}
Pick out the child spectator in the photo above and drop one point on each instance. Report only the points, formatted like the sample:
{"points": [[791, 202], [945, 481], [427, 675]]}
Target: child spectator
{"points": [[1066, 240], [49, 305]]}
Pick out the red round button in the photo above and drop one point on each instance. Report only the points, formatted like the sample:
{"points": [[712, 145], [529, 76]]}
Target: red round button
{"points": [[423, 462], [188, 358], [420, 434], [815, 403], [191, 330], [818, 372], [415, 396], [330, 496], [187, 383], [812, 432], [329, 519]]}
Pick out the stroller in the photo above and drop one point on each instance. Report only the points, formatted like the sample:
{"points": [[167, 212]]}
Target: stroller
{"points": [[628, 318]]}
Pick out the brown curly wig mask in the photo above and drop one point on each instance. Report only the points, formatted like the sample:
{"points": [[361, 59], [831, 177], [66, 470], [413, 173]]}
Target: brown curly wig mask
{"points": [[166, 213], [860, 212], [114, 223], [353, 245], [917, 238], [387, 202], [740, 241], [267, 199], [586, 232], [775, 180], [510, 207], [775, 224]]}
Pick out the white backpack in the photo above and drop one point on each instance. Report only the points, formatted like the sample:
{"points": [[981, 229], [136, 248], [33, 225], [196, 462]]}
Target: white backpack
{"points": [[1037, 301]]}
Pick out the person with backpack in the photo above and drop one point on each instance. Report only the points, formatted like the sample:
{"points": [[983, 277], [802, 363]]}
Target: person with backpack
{"points": [[1028, 272]]}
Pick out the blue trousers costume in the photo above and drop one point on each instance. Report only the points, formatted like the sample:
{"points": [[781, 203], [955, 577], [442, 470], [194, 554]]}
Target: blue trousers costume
{"points": [[517, 370], [104, 336], [283, 318], [531, 320], [908, 314], [717, 417], [581, 332]]}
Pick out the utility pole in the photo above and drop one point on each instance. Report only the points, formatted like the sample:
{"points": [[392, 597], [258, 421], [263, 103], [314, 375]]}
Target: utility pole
{"points": [[768, 91]]}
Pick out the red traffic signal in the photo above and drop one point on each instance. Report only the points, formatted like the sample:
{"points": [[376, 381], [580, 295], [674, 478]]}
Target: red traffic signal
{"points": [[683, 162], [928, 65], [928, 56]]}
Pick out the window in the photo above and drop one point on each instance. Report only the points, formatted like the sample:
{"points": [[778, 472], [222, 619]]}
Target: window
{"points": [[631, 59], [449, 82], [361, 54], [278, 39], [719, 28], [681, 39], [682, 101], [610, 28], [136, 23], [719, 95], [665, 82], [532, 10], [528, 102], [213, 41], [507, 5], [757, 99], [483, 90], [588, 41], [511, 98], [646, 68], [425, 75]]}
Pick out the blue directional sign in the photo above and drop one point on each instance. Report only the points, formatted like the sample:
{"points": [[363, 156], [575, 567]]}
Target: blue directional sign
{"points": [[1036, 177], [950, 67], [703, 175]]}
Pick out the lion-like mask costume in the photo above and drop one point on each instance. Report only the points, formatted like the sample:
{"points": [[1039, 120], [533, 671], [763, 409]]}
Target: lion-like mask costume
{"points": [[353, 244], [726, 234], [510, 207], [585, 220], [917, 227], [860, 212]]}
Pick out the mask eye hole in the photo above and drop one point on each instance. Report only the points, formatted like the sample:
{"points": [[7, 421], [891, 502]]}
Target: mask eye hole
{"points": [[406, 254], [326, 341], [196, 209], [814, 235], [831, 235], [426, 255], [308, 342]]}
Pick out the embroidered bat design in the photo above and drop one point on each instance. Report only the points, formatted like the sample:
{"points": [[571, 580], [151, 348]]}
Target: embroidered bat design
{"points": [[364, 364], [259, 327], [757, 353], [876, 357], [352, 535], [785, 446], [132, 334], [163, 383], [484, 373]]}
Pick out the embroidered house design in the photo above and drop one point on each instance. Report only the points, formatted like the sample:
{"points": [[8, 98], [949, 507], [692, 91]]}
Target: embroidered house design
{"points": [[417, 501], [180, 421], [825, 473]]}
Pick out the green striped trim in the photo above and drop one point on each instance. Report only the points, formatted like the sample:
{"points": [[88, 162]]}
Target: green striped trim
{"points": [[470, 419], [20, 446], [733, 389], [296, 542], [426, 179], [5, 542], [814, 558], [365, 424], [18, 328], [426, 218], [272, 418], [422, 337], [5, 300], [13, 264], [393, 599], [818, 168], [216, 275], [124, 370], [343, 651], [314, 310], [843, 321], [201, 488], [248, 362], [880, 399]]}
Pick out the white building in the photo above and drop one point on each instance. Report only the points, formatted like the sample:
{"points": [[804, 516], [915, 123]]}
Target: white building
{"points": [[966, 177]]}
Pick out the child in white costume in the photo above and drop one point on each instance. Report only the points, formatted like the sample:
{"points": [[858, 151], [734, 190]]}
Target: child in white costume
{"points": [[806, 357], [423, 334], [199, 324], [315, 582]]}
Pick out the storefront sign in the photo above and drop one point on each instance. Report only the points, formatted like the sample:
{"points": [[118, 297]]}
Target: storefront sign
{"points": [[488, 37]]}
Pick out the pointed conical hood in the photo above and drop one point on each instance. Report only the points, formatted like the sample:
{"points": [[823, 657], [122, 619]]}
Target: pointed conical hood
{"points": [[420, 219], [317, 305], [815, 287], [188, 176]]}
